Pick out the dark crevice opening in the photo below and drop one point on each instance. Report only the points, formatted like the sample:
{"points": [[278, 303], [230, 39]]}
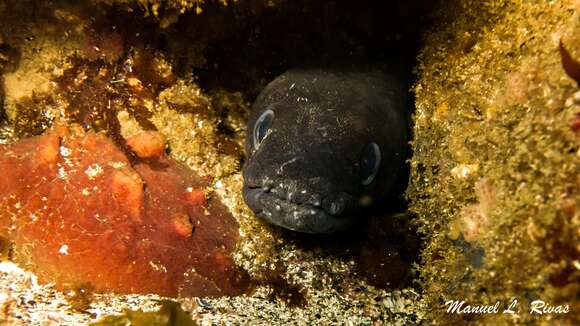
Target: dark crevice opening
{"points": [[300, 33]]}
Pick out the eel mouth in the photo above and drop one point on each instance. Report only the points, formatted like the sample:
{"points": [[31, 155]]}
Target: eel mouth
{"points": [[300, 217]]}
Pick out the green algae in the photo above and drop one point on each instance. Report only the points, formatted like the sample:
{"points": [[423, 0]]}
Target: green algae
{"points": [[169, 313]]}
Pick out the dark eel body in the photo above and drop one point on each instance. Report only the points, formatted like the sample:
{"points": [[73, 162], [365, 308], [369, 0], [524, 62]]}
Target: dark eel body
{"points": [[323, 144]]}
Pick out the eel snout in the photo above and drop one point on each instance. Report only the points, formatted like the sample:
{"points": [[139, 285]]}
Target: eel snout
{"points": [[308, 213]]}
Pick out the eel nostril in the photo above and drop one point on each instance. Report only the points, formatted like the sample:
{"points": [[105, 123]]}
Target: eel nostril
{"points": [[316, 201], [334, 205], [336, 208]]}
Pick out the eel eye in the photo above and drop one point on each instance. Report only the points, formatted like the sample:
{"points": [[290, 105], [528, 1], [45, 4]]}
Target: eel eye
{"points": [[370, 161], [262, 126]]}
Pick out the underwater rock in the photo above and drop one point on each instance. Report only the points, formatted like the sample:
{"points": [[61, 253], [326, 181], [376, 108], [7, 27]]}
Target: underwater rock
{"points": [[169, 313], [494, 173], [323, 144], [78, 212]]}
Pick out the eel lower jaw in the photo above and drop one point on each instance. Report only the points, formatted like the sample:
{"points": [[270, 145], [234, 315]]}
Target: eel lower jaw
{"points": [[303, 218]]}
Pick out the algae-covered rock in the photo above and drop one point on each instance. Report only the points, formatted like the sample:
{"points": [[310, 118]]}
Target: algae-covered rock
{"points": [[495, 181], [170, 313], [119, 70]]}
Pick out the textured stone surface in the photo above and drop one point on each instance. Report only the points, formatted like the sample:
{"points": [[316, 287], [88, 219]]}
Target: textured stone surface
{"points": [[494, 177]]}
